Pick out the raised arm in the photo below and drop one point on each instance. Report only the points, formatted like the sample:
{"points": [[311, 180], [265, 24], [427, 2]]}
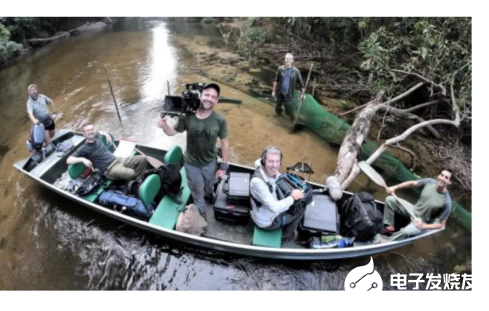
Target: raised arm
{"points": [[167, 129]]}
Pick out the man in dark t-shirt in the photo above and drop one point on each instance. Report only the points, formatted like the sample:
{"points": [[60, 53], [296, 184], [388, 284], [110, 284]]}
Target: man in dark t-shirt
{"points": [[95, 154], [203, 128]]}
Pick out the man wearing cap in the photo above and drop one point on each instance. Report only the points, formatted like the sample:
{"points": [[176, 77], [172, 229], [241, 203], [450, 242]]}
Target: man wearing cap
{"points": [[203, 128], [38, 111], [287, 78]]}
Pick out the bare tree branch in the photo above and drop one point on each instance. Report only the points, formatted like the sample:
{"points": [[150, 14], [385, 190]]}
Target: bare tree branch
{"points": [[439, 85], [414, 158], [414, 88], [395, 99], [355, 109], [420, 106], [405, 113], [382, 125]]}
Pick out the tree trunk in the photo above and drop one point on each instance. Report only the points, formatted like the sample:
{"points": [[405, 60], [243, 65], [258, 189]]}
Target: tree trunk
{"points": [[354, 138]]}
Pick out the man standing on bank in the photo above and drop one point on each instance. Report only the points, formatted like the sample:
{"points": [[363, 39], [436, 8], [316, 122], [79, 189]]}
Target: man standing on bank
{"points": [[287, 77], [203, 128], [38, 111]]}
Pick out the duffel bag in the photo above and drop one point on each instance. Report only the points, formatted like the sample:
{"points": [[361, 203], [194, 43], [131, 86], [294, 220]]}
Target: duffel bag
{"points": [[133, 206]]}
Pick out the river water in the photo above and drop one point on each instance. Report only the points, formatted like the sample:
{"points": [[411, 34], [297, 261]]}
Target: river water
{"points": [[47, 242]]}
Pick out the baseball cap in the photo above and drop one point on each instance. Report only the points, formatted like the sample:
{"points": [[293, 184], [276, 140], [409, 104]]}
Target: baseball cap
{"points": [[214, 86]]}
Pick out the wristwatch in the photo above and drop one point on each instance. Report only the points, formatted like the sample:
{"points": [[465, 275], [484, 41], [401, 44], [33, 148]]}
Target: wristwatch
{"points": [[223, 166]]}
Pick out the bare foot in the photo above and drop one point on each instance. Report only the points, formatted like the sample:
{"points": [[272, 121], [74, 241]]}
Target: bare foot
{"points": [[388, 230]]}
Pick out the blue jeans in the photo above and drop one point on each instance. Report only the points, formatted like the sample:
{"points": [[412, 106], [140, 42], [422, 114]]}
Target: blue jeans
{"points": [[201, 182]]}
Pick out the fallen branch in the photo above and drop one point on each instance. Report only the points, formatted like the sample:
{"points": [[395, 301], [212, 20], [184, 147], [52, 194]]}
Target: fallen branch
{"points": [[354, 173], [45, 40]]}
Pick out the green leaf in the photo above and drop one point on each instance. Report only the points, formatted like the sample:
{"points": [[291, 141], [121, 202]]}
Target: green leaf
{"points": [[424, 52]]}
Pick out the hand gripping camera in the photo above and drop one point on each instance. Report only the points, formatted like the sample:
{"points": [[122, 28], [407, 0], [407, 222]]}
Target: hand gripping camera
{"points": [[188, 103]]}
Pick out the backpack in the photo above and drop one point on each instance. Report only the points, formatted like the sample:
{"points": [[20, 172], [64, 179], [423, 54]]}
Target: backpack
{"points": [[360, 217], [91, 183], [288, 182], [121, 202], [171, 180]]}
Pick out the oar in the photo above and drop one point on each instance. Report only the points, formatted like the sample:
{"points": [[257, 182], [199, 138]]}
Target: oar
{"points": [[300, 102], [375, 176]]}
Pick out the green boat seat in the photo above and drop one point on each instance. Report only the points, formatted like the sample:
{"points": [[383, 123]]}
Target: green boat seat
{"points": [[174, 156], [267, 238], [149, 188], [75, 170], [167, 212], [106, 143]]}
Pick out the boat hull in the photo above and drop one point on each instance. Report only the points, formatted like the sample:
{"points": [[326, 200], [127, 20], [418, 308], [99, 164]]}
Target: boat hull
{"points": [[224, 246]]}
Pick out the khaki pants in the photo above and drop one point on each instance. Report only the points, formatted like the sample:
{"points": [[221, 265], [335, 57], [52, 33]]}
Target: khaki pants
{"points": [[127, 168], [392, 207]]}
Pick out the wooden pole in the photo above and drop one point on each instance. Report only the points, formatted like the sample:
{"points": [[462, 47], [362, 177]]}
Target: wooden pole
{"points": [[300, 102], [314, 85], [113, 96]]}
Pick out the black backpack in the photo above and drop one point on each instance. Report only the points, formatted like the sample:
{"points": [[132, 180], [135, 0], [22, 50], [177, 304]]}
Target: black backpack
{"points": [[360, 217], [171, 181]]}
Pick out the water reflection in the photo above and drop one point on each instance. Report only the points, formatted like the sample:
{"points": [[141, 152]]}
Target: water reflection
{"points": [[161, 68]]}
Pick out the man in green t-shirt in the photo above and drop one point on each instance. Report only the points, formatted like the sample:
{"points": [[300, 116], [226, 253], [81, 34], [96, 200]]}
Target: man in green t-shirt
{"points": [[431, 211], [203, 128]]}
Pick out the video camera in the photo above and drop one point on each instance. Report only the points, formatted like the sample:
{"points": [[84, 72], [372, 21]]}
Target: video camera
{"points": [[188, 103]]}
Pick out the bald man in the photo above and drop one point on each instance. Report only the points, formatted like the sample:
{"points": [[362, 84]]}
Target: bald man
{"points": [[38, 111], [287, 78]]}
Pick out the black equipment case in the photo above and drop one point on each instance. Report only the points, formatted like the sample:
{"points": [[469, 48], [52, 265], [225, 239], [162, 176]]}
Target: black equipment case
{"points": [[321, 215], [233, 198]]}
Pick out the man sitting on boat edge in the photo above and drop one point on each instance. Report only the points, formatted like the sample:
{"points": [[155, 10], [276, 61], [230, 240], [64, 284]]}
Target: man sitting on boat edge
{"points": [[267, 210], [430, 212], [93, 153]]}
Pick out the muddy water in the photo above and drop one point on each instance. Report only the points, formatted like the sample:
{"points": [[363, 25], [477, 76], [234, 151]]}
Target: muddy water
{"points": [[47, 242]]}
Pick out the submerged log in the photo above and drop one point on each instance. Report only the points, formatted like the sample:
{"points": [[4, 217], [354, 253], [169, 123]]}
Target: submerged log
{"points": [[47, 40]]}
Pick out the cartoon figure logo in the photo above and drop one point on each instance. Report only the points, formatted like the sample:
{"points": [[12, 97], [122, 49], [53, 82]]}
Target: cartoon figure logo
{"points": [[364, 278]]}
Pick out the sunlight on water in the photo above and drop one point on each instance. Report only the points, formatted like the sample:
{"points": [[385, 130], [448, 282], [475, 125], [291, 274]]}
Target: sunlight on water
{"points": [[162, 66]]}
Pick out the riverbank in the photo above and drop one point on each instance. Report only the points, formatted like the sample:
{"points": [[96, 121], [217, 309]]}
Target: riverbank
{"points": [[22, 36], [430, 154]]}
